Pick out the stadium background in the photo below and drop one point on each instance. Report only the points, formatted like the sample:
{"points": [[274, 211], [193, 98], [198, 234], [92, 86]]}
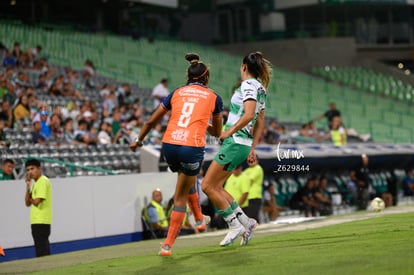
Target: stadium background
{"points": [[323, 51]]}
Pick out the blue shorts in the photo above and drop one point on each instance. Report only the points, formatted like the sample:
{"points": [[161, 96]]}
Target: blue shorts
{"points": [[186, 159]]}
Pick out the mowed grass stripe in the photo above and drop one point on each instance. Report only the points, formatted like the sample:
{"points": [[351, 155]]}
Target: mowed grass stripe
{"points": [[380, 245]]}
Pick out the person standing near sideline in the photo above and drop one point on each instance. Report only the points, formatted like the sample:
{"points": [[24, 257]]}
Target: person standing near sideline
{"points": [[255, 174], [39, 198], [243, 129], [191, 106]]}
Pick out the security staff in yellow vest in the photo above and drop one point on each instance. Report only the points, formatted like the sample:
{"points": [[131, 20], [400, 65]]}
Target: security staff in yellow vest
{"points": [[155, 215]]}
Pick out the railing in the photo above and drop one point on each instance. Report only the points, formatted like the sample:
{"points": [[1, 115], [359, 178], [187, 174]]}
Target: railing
{"points": [[73, 166]]}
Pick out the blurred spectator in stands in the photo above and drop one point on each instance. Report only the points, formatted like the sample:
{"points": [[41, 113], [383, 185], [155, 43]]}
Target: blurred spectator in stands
{"points": [[44, 123], [83, 135], [124, 95], [109, 102], [105, 90], [4, 142], [16, 51], [304, 136], [238, 186], [313, 131], [86, 82], [352, 185], [9, 61], [57, 87], [41, 65], [42, 84], [337, 133], [116, 121], [271, 136], [68, 131], [408, 183], [6, 171], [155, 215], [37, 135], [22, 109], [304, 200], [363, 183], [155, 136], [283, 136], [56, 128], [34, 53], [70, 110], [24, 62], [330, 114], [159, 92], [255, 173], [6, 114], [124, 135], [69, 91], [323, 197], [89, 68], [269, 201], [10, 96], [104, 134], [3, 85]]}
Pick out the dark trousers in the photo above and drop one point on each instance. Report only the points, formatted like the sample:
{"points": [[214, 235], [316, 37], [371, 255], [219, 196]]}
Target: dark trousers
{"points": [[41, 233], [253, 209]]}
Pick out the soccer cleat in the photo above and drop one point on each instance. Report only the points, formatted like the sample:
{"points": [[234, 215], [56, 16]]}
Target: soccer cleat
{"points": [[232, 235], [248, 234], [2, 252], [165, 250], [202, 225]]}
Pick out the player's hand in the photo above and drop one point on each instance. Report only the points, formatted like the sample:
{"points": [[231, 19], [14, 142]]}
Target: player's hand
{"points": [[252, 156], [224, 135], [133, 146]]}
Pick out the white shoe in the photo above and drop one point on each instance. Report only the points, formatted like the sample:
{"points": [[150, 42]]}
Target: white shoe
{"points": [[232, 235], [248, 234]]}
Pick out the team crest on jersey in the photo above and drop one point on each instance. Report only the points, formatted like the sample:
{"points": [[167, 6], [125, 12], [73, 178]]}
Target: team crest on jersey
{"points": [[180, 135]]}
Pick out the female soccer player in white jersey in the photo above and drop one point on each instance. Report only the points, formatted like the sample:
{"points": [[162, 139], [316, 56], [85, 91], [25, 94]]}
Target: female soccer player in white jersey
{"points": [[240, 136]]}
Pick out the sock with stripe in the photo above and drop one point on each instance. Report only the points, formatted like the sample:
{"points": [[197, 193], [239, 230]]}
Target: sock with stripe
{"points": [[177, 217]]}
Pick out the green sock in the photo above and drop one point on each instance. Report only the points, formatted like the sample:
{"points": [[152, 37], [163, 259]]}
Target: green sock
{"points": [[234, 205], [226, 212]]}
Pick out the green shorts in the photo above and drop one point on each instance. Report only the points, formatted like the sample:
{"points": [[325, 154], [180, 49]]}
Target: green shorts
{"points": [[231, 154]]}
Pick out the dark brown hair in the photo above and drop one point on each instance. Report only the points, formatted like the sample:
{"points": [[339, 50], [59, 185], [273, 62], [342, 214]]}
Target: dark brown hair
{"points": [[197, 71], [259, 67]]}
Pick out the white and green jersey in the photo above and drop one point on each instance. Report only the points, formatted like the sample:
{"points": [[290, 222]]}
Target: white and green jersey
{"points": [[250, 89]]}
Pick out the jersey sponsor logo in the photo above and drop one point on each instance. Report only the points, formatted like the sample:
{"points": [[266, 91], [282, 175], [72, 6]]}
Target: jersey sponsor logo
{"points": [[180, 135], [190, 166]]}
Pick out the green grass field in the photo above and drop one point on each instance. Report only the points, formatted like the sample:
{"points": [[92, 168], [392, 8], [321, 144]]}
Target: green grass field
{"points": [[380, 245]]}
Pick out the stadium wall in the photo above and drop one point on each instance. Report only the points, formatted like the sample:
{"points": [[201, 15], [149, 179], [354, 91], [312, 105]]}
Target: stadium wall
{"points": [[301, 54], [88, 212]]}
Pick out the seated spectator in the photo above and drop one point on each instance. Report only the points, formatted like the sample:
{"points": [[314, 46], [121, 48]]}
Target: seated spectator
{"points": [[155, 136], [4, 142], [37, 135], [44, 123], [408, 183], [124, 135], [42, 84], [9, 61], [83, 135], [304, 200], [22, 111], [89, 68], [155, 215], [304, 136], [6, 114], [269, 202], [6, 171], [68, 132], [56, 128], [323, 197], [272, 136], [104, 134]]}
